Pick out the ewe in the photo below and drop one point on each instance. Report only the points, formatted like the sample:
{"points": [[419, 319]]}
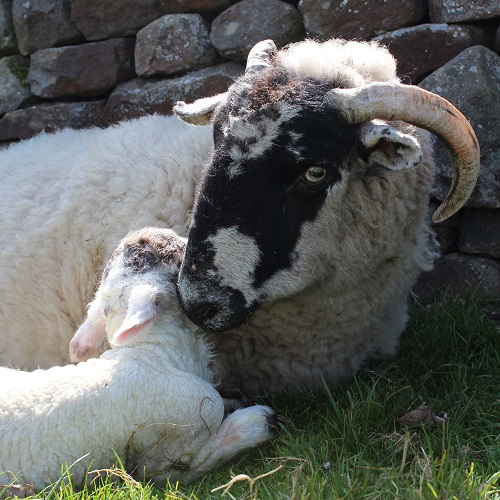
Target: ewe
{"points": [[309, 228], [149, 399]]}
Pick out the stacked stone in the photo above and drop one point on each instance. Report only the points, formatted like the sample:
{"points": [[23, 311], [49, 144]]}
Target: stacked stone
{"points": [[82, 63]]}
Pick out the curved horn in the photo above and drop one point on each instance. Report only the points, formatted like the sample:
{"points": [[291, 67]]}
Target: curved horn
{"points": [[414, 105], [198, 112], [261, 55]]}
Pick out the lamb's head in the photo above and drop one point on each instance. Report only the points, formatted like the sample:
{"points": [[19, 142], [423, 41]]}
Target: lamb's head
{"points": [[302, 150], [138, 285]]}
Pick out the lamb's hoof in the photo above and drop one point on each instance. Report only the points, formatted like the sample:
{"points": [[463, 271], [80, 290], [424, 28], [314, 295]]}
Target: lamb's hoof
{"points": [[252, 426], [274, 421]]}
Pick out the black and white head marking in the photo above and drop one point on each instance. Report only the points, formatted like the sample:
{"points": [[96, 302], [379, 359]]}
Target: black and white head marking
{"points": [[279, 154]]}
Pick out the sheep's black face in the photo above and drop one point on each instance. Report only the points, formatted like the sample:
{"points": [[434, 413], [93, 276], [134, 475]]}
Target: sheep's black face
{"points": [[278, 155]]}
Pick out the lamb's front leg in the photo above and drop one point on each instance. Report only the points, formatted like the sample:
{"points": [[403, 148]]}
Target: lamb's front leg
{"points": [[241, 430]]}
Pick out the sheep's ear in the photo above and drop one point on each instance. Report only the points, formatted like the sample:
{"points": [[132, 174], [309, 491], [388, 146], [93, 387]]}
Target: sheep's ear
{"points": [[86, 340], [198, 112], [389, 147], [91, 334], [143, 307]]}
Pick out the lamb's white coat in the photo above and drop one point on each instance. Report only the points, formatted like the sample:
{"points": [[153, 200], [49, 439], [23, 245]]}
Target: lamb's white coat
{"points": [[149, 400]]}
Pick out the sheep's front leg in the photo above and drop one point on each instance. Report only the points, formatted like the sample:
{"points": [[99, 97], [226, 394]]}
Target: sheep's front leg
{"points": [[241, 430]]}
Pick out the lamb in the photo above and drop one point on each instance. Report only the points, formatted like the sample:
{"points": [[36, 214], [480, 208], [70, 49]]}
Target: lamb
{"points": [[66, 200], [309, 228], [309, 225], [149, 399]]}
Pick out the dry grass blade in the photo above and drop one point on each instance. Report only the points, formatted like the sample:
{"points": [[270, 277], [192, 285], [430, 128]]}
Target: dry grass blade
{"points": [[244, 477], [116, 472]]}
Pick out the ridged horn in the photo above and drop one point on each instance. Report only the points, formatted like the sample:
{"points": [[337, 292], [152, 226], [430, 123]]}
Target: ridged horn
{"points": [[417, 106], [261, 56]]}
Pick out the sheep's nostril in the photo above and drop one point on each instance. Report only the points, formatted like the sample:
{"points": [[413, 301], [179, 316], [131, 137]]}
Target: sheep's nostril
{"points": [[227, 309]]}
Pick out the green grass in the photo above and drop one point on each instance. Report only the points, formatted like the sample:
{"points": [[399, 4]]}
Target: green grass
{"points": [[343, 441]]}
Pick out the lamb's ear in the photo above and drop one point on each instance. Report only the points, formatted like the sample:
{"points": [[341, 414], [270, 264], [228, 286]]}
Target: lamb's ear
{"points": [[198, 112], [143, 307], [389, 147], [91, 334]]}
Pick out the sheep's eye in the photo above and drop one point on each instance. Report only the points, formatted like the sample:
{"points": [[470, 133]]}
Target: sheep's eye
{"points": [[314, 175]]}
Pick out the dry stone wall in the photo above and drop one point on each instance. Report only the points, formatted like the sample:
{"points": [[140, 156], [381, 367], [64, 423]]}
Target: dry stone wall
{"points": [[83, 63]]}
